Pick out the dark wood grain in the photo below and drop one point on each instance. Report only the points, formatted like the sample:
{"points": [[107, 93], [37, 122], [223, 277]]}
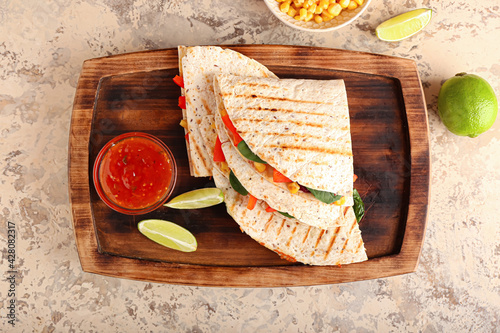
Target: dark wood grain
{"points": [[134, 92]]}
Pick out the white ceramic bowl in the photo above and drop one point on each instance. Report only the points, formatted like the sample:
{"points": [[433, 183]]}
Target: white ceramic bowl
{"points": [[345, 17]]}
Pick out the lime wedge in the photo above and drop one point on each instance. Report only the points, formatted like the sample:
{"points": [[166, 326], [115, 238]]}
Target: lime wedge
{"points": [[404, 25], [168, 234], [201, 198]]}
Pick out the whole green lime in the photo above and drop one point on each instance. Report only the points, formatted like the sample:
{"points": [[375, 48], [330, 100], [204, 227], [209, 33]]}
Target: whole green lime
{"points": [[467, 105]]}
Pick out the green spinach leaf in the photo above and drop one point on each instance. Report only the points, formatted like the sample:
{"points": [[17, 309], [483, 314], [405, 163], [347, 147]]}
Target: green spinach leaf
{"points": [[324, 196], [359, 206], [245, 151], [286, 215], [236, 185]]}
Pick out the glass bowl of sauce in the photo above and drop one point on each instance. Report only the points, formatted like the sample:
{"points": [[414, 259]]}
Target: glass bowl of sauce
{"points": [[135, 173]]}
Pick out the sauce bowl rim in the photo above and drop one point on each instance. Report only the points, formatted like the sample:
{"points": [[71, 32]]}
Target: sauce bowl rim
{"points": [[97, 181]]}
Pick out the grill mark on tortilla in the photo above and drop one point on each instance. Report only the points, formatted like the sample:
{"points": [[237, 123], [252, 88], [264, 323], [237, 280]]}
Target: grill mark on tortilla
{"points": [[332, 242], [297, 160], [307, 235], [358, 248], [316, 162], [205, 105], [283, 255], [315, 149], [319, 238], [296, 122], [345, 245], [197, 149], [254, 221], [291, 237], [302, 136], [268, 223], [352, 227], [281, 227], [253, 95], [264, 86], [195, 169], [236, 108]]}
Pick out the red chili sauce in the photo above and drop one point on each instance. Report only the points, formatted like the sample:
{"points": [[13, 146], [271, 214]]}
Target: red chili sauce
{"points": [[135, 173]]}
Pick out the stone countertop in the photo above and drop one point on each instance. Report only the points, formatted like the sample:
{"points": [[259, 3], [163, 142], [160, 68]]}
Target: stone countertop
{"points": [[456, 287]]}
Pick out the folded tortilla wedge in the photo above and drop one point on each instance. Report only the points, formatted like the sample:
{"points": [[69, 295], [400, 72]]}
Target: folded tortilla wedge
{"points": [[198, 65], [301, 205], [291, 239], [299, 127]]}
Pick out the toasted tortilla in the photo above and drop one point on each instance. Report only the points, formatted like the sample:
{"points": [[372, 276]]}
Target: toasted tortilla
{"points": [[299, 127], [301, 205], [291, 239], [199, 64], [182, 52]]}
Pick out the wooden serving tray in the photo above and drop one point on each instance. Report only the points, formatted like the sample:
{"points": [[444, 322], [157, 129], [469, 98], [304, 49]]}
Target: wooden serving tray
{"points": [[135, 92]]}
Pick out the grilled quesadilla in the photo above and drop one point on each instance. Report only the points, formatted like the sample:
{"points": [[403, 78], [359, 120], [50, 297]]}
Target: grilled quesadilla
{"points": [[291, 239], [301, 205], [198, 65], [280, 150], [300, 128]]}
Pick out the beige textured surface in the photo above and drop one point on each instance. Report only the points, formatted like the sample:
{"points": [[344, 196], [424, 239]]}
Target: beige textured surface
{"points": [[42, 46]]}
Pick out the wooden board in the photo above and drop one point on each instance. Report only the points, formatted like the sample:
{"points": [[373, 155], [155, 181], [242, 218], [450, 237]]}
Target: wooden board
{"points": [[135, 92]]}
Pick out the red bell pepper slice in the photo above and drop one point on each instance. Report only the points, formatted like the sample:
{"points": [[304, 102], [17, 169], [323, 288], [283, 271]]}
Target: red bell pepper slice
{"points": [[251, 202], [179, 81], [182, 102], [186, 136], [237, 139], [218, 153], [270, 210], [229, 124], [278, 177]]}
